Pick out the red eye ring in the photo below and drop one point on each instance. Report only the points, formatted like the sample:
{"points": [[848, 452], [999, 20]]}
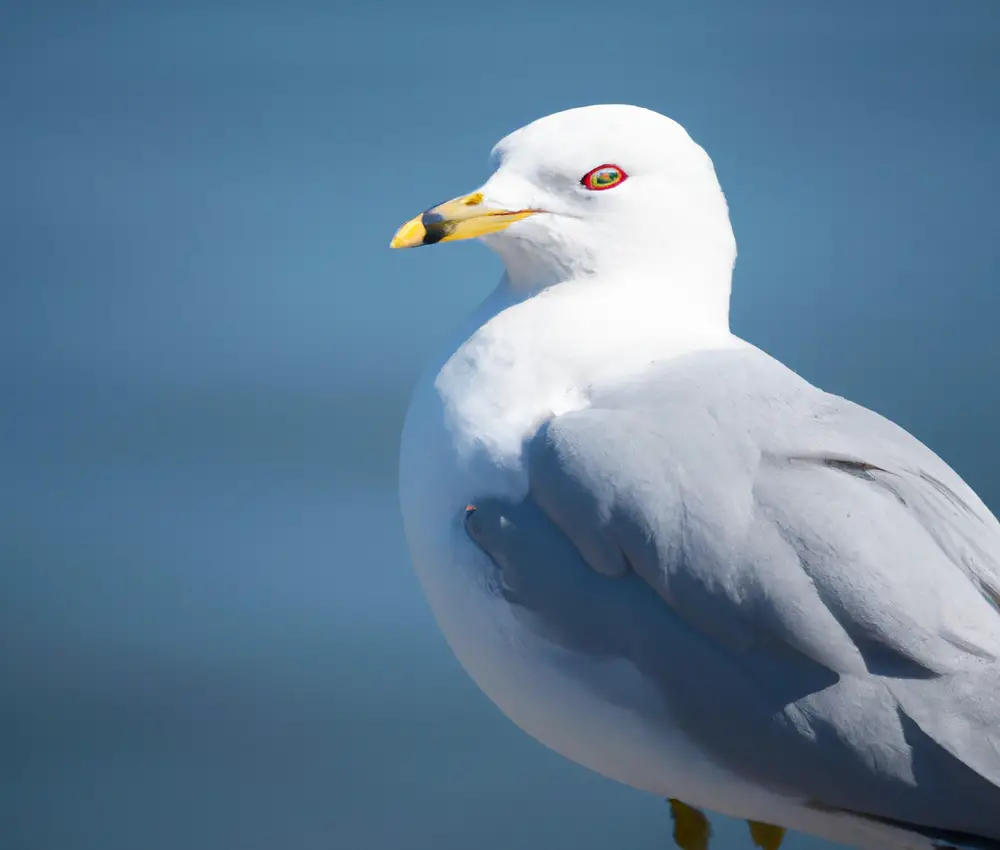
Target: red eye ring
{"points": [[603, 177]]}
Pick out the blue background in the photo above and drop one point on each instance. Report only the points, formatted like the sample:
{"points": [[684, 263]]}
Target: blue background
{"points": [[210, 635]]}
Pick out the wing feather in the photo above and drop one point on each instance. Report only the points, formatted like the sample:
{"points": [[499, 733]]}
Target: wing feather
{"points": [[781, 522]]}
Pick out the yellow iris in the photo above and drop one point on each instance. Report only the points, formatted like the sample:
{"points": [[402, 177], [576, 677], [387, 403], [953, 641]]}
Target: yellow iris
{"points": [[606, 177]]}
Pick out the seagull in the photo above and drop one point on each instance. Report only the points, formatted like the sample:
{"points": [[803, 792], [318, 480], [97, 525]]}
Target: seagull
{"points": [[667, 556]]}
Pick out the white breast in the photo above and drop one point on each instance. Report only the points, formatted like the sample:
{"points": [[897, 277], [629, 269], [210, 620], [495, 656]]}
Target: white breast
{"points": [[512, 366], [520, 363]]}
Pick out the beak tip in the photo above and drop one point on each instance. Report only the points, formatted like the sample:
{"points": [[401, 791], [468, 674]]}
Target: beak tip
{"points": [[410, 235]]}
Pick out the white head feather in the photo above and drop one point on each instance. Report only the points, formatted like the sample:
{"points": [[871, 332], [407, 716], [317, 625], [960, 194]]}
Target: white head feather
{"points": [[667, 223]]}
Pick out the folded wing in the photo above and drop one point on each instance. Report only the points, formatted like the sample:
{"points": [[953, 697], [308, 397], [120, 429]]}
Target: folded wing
{"points": [[833, 571]]}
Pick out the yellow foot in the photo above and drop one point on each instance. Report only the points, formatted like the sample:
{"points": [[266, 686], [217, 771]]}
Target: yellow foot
{"points": [[691, 828], [765, 835]]}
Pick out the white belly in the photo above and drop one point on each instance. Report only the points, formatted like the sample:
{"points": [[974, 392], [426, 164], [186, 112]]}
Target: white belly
{"points": [[601, 714], [461, 442]]}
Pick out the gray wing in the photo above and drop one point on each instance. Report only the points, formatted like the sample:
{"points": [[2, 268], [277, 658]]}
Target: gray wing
{"points": [[822, 570]]}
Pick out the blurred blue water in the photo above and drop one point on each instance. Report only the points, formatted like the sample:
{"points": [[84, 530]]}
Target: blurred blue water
{"points": [[211, 636]]}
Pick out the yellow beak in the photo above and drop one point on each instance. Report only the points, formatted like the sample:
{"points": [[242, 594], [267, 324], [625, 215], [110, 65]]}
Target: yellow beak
{"points": [[462, 218]]}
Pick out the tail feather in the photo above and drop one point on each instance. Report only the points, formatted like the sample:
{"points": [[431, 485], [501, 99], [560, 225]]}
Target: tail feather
{"points": [[946, 839]]}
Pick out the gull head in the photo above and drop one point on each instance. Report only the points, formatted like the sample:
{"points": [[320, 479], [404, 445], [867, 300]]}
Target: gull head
{"points": [[598, 190]]}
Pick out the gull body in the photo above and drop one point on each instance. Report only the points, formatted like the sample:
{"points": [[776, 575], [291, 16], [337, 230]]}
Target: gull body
{"points": [[600, 288]]}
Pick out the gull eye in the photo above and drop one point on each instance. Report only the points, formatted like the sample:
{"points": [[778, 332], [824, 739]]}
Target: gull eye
{"points": [[603, 177]]}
